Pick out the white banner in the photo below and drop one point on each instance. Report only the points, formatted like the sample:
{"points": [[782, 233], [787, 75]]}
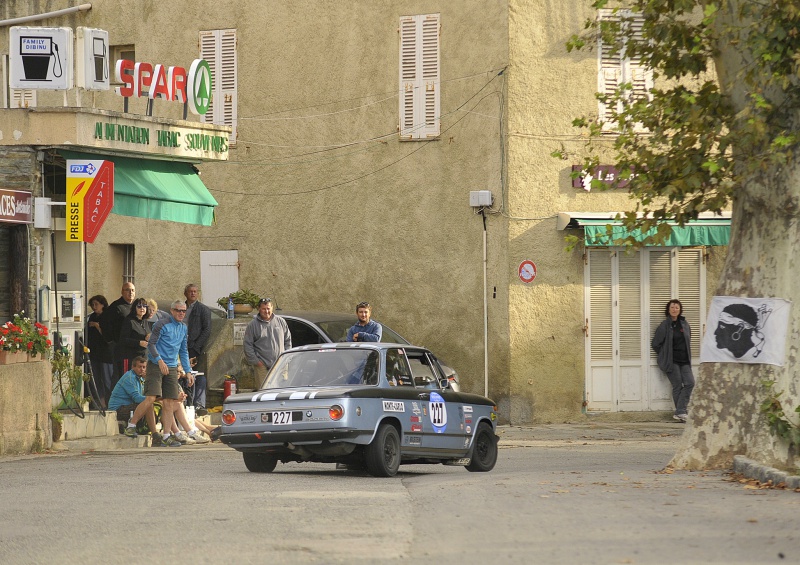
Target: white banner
{"points": [[746, 330]]}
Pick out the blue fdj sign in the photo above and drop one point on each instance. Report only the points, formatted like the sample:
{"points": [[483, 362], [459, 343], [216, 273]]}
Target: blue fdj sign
{"points": [[87, 169]]}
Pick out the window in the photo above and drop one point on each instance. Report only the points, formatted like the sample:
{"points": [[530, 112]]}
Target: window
{"points": [[127, 52], [218, 48], [419, 77], [616, 69], [302, 334]]}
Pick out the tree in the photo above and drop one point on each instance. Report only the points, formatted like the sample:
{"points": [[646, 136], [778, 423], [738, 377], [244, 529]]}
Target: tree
{"points": [[719, 129]]}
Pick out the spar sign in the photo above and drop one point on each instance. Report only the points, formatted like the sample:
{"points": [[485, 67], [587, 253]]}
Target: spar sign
{"points": [[90, 197]]}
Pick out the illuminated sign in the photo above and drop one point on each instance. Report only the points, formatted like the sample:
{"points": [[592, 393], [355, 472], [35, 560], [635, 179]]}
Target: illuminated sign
{"points": [[90, 197]]}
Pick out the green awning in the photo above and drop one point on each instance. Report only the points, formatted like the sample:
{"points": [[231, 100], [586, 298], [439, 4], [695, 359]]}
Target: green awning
{"points": [[690, 235], [158, 190]]}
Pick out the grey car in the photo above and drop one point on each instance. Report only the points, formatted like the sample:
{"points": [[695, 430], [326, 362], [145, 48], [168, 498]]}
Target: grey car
{"points": [[365, 405], [308, 328]]}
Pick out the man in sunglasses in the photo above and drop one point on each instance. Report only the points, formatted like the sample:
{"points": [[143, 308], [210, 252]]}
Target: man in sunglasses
{"points": [[265, 337], [111, 321], [365, 329]]}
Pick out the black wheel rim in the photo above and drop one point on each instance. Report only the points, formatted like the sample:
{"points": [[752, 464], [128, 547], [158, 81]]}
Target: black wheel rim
{"points": [[390, 451], [482, 448]]}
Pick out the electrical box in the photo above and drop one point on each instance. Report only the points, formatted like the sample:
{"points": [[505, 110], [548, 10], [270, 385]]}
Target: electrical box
{"points": [[480, 198]]}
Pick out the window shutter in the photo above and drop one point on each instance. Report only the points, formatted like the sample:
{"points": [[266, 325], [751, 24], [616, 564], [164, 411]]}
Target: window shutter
{"points": [[630, 306], [689, 267], [218, 48], [419, 77], [22, 98], [610, 71], [660, 288], [600, 321]]}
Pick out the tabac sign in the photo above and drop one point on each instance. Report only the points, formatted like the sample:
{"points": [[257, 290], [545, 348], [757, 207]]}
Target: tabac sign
{"points": [[90, 197]]}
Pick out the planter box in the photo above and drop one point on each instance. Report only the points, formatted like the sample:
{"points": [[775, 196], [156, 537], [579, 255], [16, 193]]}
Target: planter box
{"points": [[12, 358], [25, 407]]}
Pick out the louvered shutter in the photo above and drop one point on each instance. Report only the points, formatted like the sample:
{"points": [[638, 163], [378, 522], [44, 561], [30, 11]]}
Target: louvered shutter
{"points": [[660, 289], [218, 48], [610, 71], [419, 77], [22, 98], [689, 271], [630, 306], [601, 317]]}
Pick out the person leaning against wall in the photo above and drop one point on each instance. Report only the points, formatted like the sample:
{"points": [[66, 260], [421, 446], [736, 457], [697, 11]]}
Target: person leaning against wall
{"points": [[673, 344]]}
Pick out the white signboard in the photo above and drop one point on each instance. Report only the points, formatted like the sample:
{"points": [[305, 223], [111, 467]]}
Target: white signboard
{"points": [[40, 57], [91, 60], [746, 330]]}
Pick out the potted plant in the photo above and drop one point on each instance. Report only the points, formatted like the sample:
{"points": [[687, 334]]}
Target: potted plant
{"points": [[68, 380], [21, 339], [244, 297]]}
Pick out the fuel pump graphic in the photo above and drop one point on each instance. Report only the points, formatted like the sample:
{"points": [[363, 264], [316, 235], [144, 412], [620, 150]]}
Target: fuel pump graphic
{"points": [[36, 52]]}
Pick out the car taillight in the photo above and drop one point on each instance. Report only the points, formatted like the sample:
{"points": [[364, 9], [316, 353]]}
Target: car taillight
{"points": [[228, 417], [336, 412]]}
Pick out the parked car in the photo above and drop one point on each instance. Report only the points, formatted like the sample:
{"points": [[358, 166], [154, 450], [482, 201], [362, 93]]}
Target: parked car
{"points": [[372, 405], [309, 328]]}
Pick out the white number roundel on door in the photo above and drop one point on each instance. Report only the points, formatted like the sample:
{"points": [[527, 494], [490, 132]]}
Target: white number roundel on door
{"points": [[437, 410]]}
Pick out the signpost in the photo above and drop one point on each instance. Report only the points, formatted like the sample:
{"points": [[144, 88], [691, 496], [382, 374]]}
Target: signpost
{"points": [[90, 197]]}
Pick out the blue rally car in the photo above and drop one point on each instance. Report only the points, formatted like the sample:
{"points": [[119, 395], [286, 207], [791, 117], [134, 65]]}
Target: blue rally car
{"points": [[372, 405]]}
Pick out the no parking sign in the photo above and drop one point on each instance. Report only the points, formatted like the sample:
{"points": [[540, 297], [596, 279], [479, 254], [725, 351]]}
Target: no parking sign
{"points": [[527, 271]]}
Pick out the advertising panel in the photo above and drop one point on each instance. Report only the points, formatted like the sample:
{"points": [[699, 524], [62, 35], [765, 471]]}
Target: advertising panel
{"points": [[90, 197]]}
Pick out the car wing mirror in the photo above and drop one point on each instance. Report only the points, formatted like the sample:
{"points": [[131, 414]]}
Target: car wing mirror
{"points": [[444, 383]]}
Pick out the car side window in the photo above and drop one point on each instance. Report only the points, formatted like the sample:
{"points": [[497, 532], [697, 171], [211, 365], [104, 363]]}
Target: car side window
{"points": [[423, 371], [398, 372], [302, 333]]}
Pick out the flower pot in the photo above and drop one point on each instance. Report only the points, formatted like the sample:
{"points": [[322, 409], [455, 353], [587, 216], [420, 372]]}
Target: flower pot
{"points": [[56, 429], [11, 357], [242, 308]]}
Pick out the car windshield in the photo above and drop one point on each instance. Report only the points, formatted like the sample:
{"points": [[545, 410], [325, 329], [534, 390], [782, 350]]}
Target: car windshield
{"points": [[324, 367], [337, 331]]}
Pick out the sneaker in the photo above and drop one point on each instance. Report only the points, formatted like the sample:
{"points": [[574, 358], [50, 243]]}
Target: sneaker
{"points": [[680, 417], [155, 440], [198, 438], [215, 433], [130, 431], [201, 411], [184, 439], [171, 441]]}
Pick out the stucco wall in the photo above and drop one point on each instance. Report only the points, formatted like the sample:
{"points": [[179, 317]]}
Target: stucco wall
{"points": [[25, 407]]}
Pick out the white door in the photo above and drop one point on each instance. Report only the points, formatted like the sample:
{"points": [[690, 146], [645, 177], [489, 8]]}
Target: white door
{"points": [[219, 275], [625, 298]]}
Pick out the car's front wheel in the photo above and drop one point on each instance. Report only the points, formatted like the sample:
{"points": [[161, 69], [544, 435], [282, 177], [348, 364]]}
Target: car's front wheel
{"points": [[383, 454], [259, 462], [484, 450]]}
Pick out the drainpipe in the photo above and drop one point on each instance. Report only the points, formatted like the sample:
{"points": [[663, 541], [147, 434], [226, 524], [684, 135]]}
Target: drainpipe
{"points": [[46, 15]]}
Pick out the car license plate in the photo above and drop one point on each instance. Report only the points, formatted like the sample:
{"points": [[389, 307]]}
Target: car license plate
{"points": [[281, 418]]}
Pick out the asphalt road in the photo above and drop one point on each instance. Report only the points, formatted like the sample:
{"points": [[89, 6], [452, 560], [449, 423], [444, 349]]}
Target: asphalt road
{"points": [[559, 494]]}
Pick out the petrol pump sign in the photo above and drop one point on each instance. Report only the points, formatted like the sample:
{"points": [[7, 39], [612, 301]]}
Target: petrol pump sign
{"points": [[90, 197]]}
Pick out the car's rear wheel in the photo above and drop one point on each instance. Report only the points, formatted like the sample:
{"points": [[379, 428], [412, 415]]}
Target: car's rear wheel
{"points": [[259, 462], [484, 450], [383, 454]]}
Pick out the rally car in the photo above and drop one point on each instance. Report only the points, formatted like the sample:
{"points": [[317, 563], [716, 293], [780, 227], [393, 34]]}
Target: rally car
{"points": [[365, 405]]}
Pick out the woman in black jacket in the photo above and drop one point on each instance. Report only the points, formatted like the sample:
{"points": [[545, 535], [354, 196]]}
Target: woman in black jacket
{"points": [[673, 344], [134, 334]]}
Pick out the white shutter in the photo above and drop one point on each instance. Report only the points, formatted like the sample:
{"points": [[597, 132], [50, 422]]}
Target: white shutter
{"points": [[630, 306], [601, 317], [420, 79], [660, 288], [22, 98], [609, 71], [689, 270], [218, 48]]}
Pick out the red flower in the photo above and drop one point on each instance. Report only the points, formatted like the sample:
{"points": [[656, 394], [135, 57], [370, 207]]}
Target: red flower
{"points": [[48, 343], [30, 345]]}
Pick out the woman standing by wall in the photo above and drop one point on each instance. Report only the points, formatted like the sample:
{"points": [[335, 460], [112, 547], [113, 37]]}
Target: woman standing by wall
{"points": [[673, 344], [134, 334], [99, 352]]}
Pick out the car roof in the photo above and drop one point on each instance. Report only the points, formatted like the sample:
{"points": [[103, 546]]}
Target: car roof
{"points": [[316, 316], [373, 345]]}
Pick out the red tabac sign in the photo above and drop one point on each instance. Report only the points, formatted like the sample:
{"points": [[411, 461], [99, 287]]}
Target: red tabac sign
{"points": [[16, 207], [90, 197]]}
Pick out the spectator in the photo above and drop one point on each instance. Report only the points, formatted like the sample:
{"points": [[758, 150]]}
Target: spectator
{"points": [[168, 354], [154, 314], [134, 335], [128, 398], [198, 320], [365, 329], [100, 356], [111, 324], [265, 337]]}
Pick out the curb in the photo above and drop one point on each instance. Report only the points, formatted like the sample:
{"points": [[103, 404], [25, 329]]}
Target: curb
{"points": [[764, 474]]}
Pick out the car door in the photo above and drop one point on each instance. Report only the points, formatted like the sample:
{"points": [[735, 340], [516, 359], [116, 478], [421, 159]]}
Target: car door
{"points": [[303, 333], [443, 418]]}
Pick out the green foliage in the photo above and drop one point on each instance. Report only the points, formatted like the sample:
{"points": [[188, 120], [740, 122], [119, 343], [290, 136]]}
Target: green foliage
{"points": [[779, 424], [67, 378], [244, 296], [703, 136]]}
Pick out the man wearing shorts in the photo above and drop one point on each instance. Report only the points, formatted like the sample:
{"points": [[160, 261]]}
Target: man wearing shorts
{"points": [[168, 355]]}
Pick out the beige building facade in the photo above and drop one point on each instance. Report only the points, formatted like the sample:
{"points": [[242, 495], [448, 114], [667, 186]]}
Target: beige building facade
{"points": [[356, 133]]}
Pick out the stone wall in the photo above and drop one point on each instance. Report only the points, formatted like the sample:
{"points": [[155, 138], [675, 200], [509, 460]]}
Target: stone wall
{"points": [[25, 400]]}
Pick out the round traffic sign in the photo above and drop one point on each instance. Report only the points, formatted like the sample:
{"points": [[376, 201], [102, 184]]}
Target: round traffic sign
{"points": [[527, 271]]}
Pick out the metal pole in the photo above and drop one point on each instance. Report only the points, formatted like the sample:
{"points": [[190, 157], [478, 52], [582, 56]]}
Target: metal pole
{"points": [[485, 315], [36, 17]]}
